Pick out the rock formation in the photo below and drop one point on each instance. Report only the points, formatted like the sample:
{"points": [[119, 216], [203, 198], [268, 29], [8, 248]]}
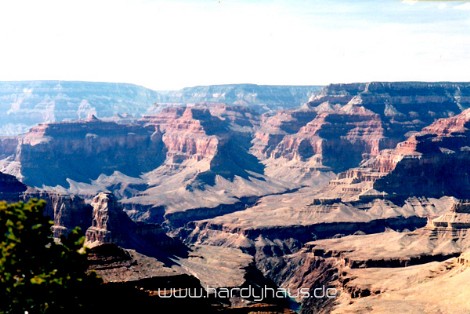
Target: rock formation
{"points": [[328, 138], [431, 163], [109, 221], [67, 211], [26, 103], [439, 163], [401, 105], [345, 124], [110, 224], [183, 154], [50, 154], [454, 224], [365, 269]]}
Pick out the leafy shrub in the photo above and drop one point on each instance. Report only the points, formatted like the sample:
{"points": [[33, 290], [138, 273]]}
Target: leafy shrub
{"points": [[38, 273]]}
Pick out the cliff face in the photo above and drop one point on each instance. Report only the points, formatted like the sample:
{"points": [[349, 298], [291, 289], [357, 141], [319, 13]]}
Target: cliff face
{"points": [[111, 225], [51, 153], [315, 143], [403, 106], [191, 135], [424, 101], [66, 210], [440, 163], [336, 140], [273, 128], [108, 222], [454, 224], [183, 153], [204, 133], [433, 162], [346, 124]]}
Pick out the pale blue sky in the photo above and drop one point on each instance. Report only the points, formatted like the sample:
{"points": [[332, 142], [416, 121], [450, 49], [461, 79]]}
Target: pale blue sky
{"points": [[172, 44]]}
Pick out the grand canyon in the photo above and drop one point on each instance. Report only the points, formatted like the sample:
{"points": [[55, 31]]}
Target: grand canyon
{"points": [[345, 198]]}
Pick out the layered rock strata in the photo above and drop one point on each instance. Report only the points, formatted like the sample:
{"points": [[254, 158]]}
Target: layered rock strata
{"points": [[110, 224], [432, 162], [454, 224], [52, 153], [346, 124]]}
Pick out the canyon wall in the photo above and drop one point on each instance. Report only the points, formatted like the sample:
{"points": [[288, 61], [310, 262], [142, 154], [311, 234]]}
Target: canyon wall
{"points": [[26, 103], [432, 162], [50, 154]]}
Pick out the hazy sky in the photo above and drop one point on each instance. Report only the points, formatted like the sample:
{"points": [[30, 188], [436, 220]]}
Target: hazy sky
{"points": [[172, 44]]}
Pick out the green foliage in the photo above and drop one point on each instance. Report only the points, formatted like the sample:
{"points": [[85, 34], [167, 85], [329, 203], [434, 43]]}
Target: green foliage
{"points": [[39, 274]]}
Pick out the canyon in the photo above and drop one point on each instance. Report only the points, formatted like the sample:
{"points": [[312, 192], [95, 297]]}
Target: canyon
{"points": [[361, 188], [24, 104]]}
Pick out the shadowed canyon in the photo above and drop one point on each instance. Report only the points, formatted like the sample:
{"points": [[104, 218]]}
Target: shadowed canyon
{"points": [[358, 189]]}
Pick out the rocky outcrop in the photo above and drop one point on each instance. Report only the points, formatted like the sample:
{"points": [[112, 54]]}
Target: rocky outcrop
{"points": [[142, 282], [335, 141], [391, 262], [184, 150], [50, 154], [318, 147], [200, 132], [65, 210], [346, 124], [183, 154], [192, 136], [439, 163], [402, 106], [111, 225], [275, 127], [271, 231], [454, 224], [109, 221], [135, 281], [242, 119], [68, 211], [432, 162]]}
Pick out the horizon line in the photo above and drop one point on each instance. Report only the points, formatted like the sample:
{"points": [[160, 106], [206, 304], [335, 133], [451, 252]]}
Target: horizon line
{"points": [[233, 84]]}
